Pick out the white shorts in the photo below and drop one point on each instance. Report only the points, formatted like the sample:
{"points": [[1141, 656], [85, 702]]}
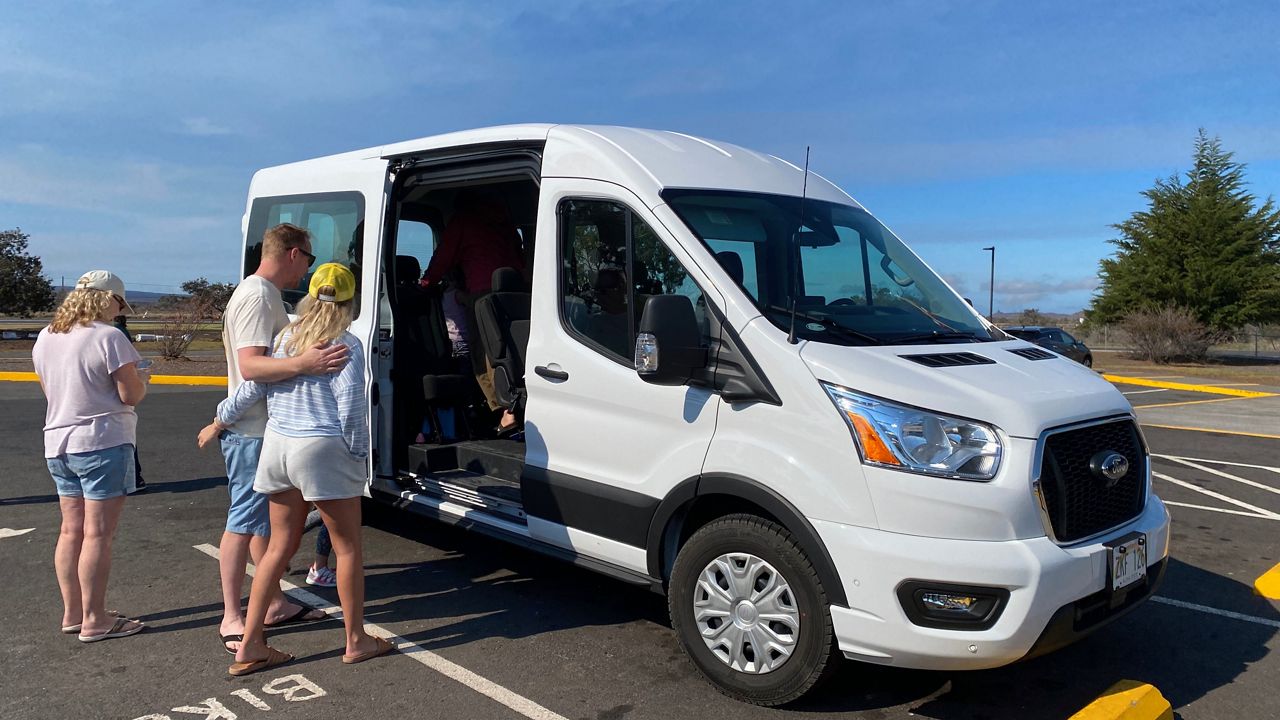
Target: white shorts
{"points": [[321, 467]]}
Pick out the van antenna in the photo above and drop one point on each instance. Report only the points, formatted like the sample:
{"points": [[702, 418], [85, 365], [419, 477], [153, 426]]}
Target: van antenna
{"points": [[795, 284]]}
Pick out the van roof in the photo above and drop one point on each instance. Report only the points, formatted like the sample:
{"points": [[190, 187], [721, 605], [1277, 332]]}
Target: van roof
{"points": [[644, 160]]}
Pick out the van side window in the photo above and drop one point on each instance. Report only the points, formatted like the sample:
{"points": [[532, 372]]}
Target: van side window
{"points": [[336, 223], [611, 263], [417, 240]]}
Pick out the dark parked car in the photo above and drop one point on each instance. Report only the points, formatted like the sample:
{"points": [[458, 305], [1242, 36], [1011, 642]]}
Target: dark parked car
{"points": [[1055, 339]]}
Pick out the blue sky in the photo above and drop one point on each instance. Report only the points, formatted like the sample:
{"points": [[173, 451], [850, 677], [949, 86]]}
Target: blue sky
{"points": [[129, 131]]}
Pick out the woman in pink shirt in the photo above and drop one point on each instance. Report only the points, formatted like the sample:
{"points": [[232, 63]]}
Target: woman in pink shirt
{"points": [[88, 371]]}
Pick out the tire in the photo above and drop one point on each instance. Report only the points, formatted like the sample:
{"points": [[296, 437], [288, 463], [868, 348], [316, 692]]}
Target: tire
{"points": [[768, 558], [1088, 361]]}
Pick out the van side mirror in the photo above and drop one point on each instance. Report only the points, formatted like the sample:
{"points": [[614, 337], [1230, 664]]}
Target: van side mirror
{"points": [[669, 344]]}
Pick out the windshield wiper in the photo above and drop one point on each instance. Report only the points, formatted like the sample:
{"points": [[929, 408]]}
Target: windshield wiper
{"points": [[936, 335], [827, 323]]}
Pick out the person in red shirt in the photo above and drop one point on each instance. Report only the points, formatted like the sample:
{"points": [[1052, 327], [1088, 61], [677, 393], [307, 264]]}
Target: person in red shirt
{"points": [[479, 239]]}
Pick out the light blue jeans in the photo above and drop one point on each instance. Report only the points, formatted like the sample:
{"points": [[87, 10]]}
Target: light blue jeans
{"points": [[95, 475]]}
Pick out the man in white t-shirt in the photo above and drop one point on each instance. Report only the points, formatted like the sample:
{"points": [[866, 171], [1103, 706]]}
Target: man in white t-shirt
{"points": [[254, 316]]}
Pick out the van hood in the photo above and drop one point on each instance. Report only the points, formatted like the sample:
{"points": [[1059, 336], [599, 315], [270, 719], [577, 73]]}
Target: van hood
{"points": [[1021, 396]]}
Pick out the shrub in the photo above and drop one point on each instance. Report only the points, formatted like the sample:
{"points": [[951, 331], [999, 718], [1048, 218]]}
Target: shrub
{"points": [[1168, 335], [178, 329]]}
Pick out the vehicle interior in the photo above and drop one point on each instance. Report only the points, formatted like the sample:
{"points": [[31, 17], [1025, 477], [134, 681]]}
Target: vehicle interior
{"points": [[445, 439]]}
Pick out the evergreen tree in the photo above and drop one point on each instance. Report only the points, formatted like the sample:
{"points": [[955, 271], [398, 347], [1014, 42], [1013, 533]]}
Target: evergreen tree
{"points": [[23, 287], [1201, 244]]}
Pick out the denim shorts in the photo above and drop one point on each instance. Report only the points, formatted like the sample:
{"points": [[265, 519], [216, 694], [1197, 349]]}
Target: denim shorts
{"points": [[249, 513], [95, 475]]}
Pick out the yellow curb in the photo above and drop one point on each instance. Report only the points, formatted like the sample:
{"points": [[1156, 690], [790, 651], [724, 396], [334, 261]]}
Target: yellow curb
{"points": [[155, 379], [189, 380], [1128, 700], [18, 377], [1191, 402], [1268, 586], [1212, 430], [1216, 389]]}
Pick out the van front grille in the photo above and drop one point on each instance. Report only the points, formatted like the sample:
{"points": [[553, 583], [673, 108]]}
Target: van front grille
{"points": [[1079, 500]]}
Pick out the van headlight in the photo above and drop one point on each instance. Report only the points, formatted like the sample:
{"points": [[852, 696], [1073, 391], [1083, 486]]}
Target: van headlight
{"points": [[915, 440]]}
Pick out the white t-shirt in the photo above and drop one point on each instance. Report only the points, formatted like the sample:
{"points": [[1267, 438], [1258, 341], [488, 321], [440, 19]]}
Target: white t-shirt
{"points": [[254, 316], [85, 412]]}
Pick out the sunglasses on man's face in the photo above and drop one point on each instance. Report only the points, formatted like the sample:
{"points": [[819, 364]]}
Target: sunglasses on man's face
{"points": [[311, 259]]}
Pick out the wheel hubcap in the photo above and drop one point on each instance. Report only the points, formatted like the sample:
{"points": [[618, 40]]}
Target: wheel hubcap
{"points": [[746, 613]]}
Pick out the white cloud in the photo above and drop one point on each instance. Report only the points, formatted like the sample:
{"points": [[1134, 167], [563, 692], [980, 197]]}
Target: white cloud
{"points": [[1030, 291]]}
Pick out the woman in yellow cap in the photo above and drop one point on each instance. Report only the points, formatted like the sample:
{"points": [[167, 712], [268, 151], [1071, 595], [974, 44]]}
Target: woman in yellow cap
{"points": [[315, 449]]}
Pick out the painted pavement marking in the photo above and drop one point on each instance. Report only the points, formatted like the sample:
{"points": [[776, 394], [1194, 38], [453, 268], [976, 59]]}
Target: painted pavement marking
{"points": [[1191, 402], [1258, 512], [1219, 473], [13, 532], [1213, 389], [155, 379], [416, 652], [1215, 611], [1212, 430]]}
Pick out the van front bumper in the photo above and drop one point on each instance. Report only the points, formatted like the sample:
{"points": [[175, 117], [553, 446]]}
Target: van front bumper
{"points": [[1057, 594]]}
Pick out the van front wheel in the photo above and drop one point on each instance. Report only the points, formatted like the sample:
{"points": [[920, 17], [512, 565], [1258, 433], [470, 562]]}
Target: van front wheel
{"points": [[750, 611]]}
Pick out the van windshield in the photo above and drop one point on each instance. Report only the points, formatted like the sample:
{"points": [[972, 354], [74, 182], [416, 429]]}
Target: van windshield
{"points": [[851, 280]]}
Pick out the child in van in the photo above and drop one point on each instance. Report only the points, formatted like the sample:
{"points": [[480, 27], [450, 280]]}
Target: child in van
{"points": [[315, 449]]}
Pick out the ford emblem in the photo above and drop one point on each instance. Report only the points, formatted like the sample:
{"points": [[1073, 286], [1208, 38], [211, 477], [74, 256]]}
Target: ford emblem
{"points": [[1110, 466]]}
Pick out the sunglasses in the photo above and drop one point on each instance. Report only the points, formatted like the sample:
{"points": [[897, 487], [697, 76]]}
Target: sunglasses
{"points": [[311, 259]]}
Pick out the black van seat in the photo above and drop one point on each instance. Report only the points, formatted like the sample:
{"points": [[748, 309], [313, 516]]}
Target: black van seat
{"points": [[423, 351], [503, 317]]}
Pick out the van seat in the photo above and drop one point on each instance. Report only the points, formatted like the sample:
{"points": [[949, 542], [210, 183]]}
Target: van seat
{"points": [[503, 317], [423, 368]]}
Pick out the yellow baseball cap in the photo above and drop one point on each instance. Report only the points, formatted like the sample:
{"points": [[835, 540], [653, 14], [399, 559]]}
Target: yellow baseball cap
{"points": [[333, 275]]}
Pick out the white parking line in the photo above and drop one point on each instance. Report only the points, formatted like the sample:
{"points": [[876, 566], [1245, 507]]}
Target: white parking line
{"points": [[1143, 392], [1218, 510], [1227, 476], [13, 532], [1219, 462], [1218, 496], [1215, 611], [410, 649]]}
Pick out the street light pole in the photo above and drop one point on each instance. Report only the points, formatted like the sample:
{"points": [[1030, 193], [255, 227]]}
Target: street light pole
{"points": [[991, 296]]}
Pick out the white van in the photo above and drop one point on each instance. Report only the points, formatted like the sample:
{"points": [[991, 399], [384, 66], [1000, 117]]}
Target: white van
{"points": [[740, 389]]}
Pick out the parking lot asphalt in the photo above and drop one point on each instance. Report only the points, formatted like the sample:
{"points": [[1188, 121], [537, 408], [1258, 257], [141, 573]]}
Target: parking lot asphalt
{"points": [[498, 632]]}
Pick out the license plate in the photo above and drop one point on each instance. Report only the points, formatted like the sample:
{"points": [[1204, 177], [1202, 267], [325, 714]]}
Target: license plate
{"points": [[1128, 562]]}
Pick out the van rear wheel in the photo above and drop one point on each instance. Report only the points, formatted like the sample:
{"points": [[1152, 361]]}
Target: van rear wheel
{"points": [[750, 611]]}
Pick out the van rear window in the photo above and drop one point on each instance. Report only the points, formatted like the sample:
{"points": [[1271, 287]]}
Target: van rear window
{"points": [[336, 223]]}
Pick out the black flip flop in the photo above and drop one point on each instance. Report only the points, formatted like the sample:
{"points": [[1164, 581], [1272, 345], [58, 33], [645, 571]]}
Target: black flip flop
{"points": [[299, 617], [230, 638]]}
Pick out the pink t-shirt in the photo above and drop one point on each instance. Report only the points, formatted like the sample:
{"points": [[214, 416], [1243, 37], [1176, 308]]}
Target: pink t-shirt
{"points": [[85, 412]]}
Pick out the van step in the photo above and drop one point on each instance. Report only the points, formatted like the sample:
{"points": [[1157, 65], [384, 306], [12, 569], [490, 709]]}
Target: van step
{"points": [[497, 458], [488, 493]]}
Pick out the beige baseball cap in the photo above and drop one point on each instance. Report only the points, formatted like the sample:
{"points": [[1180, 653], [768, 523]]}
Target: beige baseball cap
{"points": [[104, 280]]}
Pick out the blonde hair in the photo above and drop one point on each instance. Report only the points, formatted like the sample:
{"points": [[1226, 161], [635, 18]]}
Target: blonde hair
{"points": [[318, 322], [279, 240], [82, 306]]}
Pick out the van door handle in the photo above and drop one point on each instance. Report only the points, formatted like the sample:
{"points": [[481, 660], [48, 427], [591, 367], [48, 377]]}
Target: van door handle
{"points": [[551, 374]]}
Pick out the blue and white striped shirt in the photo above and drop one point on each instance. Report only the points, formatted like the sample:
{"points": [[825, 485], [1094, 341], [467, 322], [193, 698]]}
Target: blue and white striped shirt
{"points": [[311, 405]]}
